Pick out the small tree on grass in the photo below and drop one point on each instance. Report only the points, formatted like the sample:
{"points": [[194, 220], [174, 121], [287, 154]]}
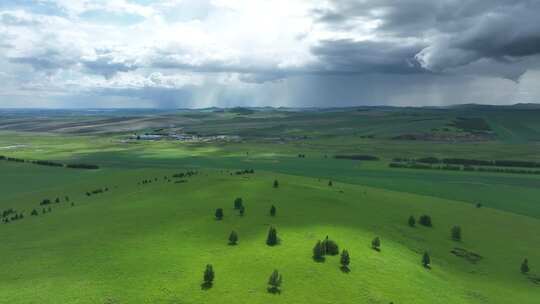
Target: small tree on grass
{"points": [[345, 260], [274, 282], [376, 244], [242, 210], [525, 266], [219, 213], [34, 212], [208, 278], [238, 203], [426, 260], [318, 252], [330, 184], [425, 220], [412, 221], [456, 233], [272, 238], [233, 238], [273, 210], [276, 183], [330, 247]]}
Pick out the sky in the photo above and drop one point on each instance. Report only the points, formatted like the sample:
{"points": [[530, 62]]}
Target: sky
{"points": [[294, 53]]}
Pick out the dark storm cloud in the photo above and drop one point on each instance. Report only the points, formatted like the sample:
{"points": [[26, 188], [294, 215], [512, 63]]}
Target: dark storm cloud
{"points": [[47, 60], [348, 56], [456, 32]]}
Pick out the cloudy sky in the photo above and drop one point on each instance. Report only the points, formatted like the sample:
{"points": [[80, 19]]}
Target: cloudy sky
{"points": [[201, 53]]}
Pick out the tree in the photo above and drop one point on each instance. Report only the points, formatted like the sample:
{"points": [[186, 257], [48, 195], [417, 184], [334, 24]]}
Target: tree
{"points": [[272, 238], [208, 276], [273, 210], [330, 183], [425, 220], [34, 212], [242, 210], [345, 260], [219, 213], [456, 233], [233, 238], [276, 183], [330, 247], [274, 282], [318, 252], [426, 260], [376, 244], [412, 221], [525, 266], [238, 203]]}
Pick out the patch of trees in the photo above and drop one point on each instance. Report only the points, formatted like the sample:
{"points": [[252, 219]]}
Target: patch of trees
{"points": [[356, 157], [472, 162], [245, 171], [82, 166], [186, 174], [49, 163], [323, 248], [301, 156], [97, 191], [9, 215], [466, 168]]}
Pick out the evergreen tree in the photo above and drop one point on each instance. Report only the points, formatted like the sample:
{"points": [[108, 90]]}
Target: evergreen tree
{"points": [[345, 260], [525, 266], [376, 244], [426, 260], [34, 212], [274, 282], [208, 276], [233, 238], [276, 183], [330, 183], [273, 210], [318, 252], [330, 247], [238, 203], [272, 238], [219, 213], [456, 233], [412, 221]]}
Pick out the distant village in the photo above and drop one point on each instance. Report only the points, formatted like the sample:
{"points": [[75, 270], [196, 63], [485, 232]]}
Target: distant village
{"points": [[183, 137]]}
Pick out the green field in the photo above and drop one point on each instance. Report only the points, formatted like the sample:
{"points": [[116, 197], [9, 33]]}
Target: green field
{"points": [[150, 242]]}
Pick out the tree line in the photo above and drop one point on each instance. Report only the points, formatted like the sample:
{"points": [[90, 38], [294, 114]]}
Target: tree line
{"points": [[50, 163]]}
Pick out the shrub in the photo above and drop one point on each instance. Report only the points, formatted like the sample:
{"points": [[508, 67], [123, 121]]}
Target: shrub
{"points": [[238, 203], [219, 213], [425, 220], [345, 260], [426, 260], [525, 266], [456, 233], [272, 238], [330, 247], [318, 252], [412, 221], [233, 238], [276, 184], [376, 244], [274, 282], [273, 210], [208, 277]]}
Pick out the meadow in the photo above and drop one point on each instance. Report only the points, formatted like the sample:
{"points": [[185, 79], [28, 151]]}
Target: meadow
{"points": [[148, 238]]}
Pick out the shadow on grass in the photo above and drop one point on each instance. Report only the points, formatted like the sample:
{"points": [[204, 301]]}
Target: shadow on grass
{"points": [[274, 290], [206, 285], [319, 260]]}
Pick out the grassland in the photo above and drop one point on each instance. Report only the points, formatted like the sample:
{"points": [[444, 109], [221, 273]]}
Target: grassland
{"points": [[149, 243]]}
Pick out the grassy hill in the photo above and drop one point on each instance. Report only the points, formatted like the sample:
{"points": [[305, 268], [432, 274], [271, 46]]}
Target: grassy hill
{"points": [[149, 242]]}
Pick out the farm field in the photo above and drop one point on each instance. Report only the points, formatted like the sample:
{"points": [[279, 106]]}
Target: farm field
{"points": [[146, 236]]}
